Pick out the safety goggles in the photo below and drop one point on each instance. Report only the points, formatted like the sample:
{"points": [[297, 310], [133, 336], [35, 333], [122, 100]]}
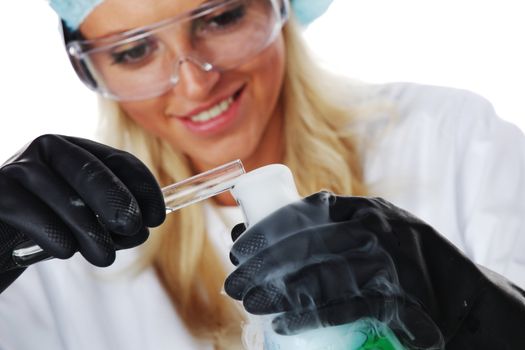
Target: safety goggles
{"points": [[144, 62]]}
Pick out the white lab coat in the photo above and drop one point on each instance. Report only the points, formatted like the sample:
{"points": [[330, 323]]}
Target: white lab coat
{"points": [[440, 153]]}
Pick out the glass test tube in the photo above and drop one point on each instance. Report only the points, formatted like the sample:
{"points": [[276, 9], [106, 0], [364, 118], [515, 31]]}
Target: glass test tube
{"points": [[176, 196], [201, 186]]}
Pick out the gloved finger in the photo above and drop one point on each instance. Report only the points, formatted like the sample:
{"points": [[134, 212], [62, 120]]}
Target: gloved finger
{"points": [[94, 240], [292, 252], [407, 320], [126, 242], [9, 239], [234, 260], [7, 277], [135, 176], [288, 255], [342, 311], [96, 184], [282, 223], [320, 281], [26, 213], [343, 208], [237, 230]]}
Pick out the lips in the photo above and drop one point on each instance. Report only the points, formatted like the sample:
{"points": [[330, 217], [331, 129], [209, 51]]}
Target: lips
{"points": [[213, 112], [215, 118]]}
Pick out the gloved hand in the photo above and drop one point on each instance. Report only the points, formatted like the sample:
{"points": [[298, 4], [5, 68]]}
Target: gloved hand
{"points": [[69, 194], [329, 260]]}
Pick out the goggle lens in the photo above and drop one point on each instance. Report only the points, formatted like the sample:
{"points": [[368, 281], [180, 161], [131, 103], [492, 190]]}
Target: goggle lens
{"points": [[144, 63]]}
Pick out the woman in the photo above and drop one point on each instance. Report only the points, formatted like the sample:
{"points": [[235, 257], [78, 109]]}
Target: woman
{"points": [[187, 86]]}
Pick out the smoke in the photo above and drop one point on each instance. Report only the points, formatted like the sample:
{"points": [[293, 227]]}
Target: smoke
{"points": [[336, 286]]}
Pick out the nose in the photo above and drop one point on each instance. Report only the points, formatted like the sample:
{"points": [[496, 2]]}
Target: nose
{"points": [[194, 79]]}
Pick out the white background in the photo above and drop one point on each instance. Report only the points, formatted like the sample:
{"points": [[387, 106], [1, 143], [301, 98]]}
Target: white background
{"points": [[471, 44]]}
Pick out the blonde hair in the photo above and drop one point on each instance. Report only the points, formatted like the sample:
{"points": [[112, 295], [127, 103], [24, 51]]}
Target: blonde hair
{"points": [[318, 149]]}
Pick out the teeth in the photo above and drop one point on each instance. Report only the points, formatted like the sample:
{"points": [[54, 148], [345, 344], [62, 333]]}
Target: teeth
{"points": [[213, 111]]}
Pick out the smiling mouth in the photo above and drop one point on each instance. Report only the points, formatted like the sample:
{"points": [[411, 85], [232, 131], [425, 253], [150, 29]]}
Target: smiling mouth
{"points": [[213, 112], [216, 110]]}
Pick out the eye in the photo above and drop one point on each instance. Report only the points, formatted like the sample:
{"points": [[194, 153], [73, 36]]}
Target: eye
{"points": [[135, 52], [220, 20]]}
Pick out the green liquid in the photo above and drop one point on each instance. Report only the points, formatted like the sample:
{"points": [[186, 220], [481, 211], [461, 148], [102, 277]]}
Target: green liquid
{"points": [[380, 339], [378, 344], [364, 334]]}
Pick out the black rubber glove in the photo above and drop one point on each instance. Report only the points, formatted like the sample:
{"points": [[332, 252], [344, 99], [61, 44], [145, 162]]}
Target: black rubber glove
{"points": [[69, 194], [328, 260]]}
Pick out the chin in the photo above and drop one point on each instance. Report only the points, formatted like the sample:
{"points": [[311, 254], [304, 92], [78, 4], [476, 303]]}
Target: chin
{"points": [[224, 152], [214, 159]]}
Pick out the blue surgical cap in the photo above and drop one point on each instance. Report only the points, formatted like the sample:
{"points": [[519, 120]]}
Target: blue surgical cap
{"points": [[306, 11], [73, 12]]}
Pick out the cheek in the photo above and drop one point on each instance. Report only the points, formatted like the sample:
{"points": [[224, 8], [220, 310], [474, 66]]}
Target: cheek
{"points": [[267, 74], [148, 114], [271, 73]]}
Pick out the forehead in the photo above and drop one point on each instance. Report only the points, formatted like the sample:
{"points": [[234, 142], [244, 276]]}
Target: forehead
{"points": [[113, 16]]}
